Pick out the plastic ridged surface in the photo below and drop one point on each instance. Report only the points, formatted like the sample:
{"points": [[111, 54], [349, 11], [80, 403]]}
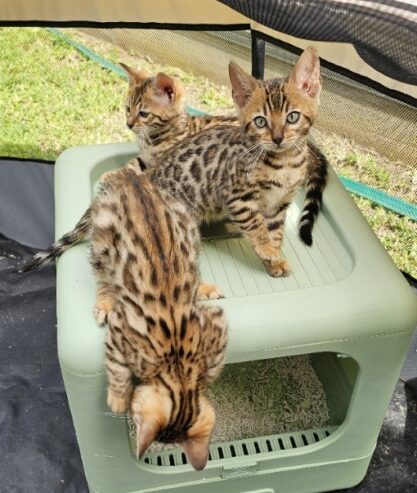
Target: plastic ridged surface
{"points": [[244, 448], [233, 265]]}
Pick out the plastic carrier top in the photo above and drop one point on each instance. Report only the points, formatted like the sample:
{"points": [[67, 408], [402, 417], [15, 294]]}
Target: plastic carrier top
{"points": [[343, 287]]}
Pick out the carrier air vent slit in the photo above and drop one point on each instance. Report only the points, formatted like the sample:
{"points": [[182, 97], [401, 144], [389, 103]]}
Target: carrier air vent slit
{"points": [[245, 448]]}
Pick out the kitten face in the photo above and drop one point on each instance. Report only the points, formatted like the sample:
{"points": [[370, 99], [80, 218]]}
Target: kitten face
{"points": [[278, 112], [157, 418], [152, 101]]}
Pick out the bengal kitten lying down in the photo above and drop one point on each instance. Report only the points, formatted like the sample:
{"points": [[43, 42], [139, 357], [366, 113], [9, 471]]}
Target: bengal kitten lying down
{"points": [[269, 156], [144, 248]]}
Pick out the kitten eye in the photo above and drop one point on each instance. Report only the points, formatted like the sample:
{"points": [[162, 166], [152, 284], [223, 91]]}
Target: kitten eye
{"points": [[260, 121], [143, 114], [128, 108], [293, 117]]}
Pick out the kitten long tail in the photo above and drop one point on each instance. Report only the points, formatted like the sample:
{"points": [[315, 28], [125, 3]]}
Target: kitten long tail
{"points": [[40, 259], [315, 184]]}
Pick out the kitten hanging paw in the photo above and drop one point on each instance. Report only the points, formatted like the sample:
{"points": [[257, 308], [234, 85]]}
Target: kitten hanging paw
{"points": [[208, 291], [280, 268], [101, 315], [102, 309], [117, 403]]}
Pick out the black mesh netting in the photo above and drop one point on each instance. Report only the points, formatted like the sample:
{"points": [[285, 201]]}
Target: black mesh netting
{"points": [[384, 32], [53, 97]]}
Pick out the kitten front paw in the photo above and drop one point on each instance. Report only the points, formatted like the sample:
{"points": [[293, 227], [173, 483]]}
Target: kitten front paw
{"points": [[208, 291], [280, 268], [267, 253], [117, 403]]}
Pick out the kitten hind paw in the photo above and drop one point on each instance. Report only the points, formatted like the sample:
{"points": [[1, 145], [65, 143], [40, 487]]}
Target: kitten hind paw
{"points": [[108, 175]]}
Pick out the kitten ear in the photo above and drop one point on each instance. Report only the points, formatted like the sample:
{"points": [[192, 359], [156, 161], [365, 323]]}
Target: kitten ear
{"points": [[150, 408], [146, 432], [197, 451], [165, 88], [306, 73], [196, 446], [243, 84], [134, 76]]}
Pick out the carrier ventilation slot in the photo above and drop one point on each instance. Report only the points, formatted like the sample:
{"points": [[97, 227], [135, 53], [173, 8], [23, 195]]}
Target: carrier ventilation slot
{"points": [[244, 448]]}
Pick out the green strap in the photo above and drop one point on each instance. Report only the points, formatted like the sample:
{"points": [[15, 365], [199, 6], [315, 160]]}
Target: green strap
{"points": [[381, 198], [377, 196], [88, 53]]}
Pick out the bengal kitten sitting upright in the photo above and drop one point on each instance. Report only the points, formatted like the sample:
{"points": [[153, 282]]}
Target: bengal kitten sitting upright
{"points": [[155, 112], [144, 248]]}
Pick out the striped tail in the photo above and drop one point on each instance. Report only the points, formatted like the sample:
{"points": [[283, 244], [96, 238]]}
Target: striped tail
{"points": [[60, 246], [316, 181]]}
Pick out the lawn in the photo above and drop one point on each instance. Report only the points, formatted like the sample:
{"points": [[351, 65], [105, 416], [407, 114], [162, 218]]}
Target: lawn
{"points": [[397, 234], [52, 97]]}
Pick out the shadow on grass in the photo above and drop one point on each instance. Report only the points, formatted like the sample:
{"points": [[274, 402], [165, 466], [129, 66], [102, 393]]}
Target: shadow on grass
{"points": [[28, 151]]}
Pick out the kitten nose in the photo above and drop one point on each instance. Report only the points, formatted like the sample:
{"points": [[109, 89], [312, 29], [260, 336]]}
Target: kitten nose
{"points": [[129, 124], [278, 139]]}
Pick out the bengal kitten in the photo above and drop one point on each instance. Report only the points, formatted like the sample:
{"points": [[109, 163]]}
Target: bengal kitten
{"points": [[155, 112], [144, 248], [252, 172]]}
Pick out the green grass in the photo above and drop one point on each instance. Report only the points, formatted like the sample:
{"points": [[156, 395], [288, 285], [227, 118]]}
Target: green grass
{"points": [[53, 98], [201, 92], [213, 99], [397, 234]]}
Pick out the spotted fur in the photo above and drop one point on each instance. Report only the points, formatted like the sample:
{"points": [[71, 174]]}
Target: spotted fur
{"points": [[268, 164], [162, 98], [316, 181], [60, 246], [144, 248], [252, 173], [155, 112]]}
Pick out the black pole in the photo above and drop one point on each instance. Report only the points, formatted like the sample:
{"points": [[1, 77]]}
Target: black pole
{"points": [[258, 56]]}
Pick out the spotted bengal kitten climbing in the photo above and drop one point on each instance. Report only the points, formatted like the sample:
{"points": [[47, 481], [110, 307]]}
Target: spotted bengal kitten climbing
{"points": [[144, 248], [251, 173]]}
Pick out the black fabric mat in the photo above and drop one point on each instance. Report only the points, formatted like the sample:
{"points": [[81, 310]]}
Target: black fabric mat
{"points": [[39, 451]]}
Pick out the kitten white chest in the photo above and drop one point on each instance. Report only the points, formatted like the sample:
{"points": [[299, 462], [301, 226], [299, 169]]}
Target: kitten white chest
{"points": [[284, 184]]}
